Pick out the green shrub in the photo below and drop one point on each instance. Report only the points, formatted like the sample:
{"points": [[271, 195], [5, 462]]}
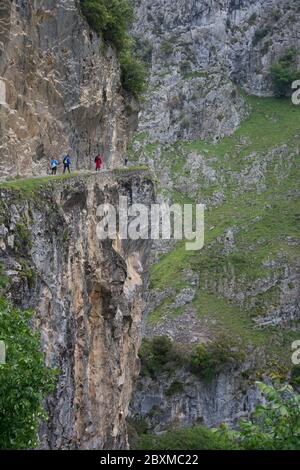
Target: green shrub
{"points": [[133, 73], [160, 354], [295, 376], [284, 72], [24, 380], [111, 19], [23, 241], [273, 426], [135, 428], [175, 388], [260, 34], [28, 273], [196, 438], [208, 359]]}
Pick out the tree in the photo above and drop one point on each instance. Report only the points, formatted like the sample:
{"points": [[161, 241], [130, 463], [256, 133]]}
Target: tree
{"points": [[274, 425], [24, 380]]}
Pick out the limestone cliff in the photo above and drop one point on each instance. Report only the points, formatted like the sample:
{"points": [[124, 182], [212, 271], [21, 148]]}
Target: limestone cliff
{"points": [[238, 154], [60, 89], [200, 52], [88, 298]]}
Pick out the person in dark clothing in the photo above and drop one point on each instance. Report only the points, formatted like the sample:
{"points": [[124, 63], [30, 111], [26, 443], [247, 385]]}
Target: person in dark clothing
{"points": [[67, 163]]}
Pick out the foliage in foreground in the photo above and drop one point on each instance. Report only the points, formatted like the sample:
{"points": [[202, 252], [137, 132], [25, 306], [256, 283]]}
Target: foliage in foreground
{"points": [[24, 380], [274, 425], [111, 19]]}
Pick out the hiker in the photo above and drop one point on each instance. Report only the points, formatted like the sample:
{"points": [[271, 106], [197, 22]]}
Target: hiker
{"points": [[54, 165], [98, 161], [67, 163]]}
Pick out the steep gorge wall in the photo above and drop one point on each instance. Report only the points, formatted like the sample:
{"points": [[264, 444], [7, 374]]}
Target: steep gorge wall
{"points": [[60, 89], [245, 281], [88, 298], [200, 52]]}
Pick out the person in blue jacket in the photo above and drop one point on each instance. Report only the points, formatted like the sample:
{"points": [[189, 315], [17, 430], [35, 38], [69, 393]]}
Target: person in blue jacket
{"points": [[54, 165], [67, 163]]}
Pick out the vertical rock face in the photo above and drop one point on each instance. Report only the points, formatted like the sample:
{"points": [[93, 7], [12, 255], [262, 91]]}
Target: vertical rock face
{"points": [[60, 89], [199, 52], [88, 295]]}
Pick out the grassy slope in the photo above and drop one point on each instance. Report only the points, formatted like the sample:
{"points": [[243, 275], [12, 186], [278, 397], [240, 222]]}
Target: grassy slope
{"points": [[28, 185], [265, 216]]}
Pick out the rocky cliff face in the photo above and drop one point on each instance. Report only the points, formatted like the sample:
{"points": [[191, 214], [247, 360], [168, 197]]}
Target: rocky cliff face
{"points": [[224, 399], [200, 53], [88, 295], [245, 281], [60, 89]]}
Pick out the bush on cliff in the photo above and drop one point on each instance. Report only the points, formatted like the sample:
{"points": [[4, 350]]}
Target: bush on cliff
{"points": [[209, 359], [111, 19], [160, 354], [284, 72], [133, 73], [24, 380]]}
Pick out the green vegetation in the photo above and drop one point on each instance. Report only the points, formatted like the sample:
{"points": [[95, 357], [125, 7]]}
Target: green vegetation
{"points": [[28, 273], [267, 139], [111, 19], [195, 74], [271, 123], [209, 359], [175, 388], [133, 73], [285, 72], [23, 240], [24, 380], [196, 438], [260, 34], [295, 376], [274, 425], [29, 185], [129, 169], [160, 354]]}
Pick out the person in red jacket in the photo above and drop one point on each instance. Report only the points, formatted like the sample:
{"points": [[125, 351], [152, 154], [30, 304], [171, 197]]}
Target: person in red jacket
{"points": [[98, 162]]}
